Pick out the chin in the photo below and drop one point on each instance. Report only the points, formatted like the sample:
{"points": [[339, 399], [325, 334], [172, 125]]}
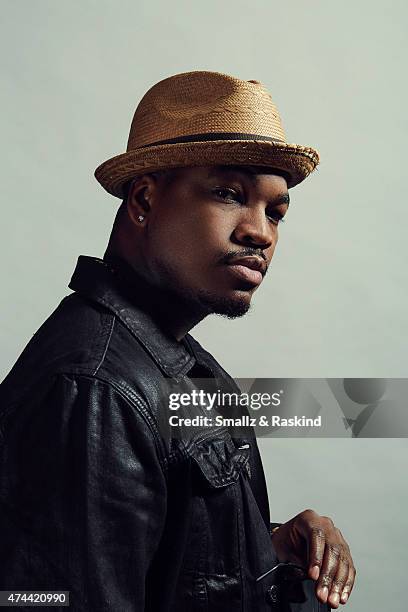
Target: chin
{"points": [[231, 303], [230, 306]]}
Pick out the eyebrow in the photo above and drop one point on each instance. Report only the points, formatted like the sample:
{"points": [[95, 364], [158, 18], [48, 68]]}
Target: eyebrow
{"points": [[282, 199], [251, 174]]}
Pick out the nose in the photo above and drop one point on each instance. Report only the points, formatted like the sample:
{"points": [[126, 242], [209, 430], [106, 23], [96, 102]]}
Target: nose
{"points": [[255, 230]]}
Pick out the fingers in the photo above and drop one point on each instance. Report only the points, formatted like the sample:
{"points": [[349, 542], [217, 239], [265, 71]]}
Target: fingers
{"points": [[331, 567], [317, 542], [330, 563], [329, 559], [339, 582], [348, 587]]}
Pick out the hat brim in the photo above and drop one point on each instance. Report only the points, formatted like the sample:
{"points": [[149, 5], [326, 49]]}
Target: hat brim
{"points": [[296, 160]]}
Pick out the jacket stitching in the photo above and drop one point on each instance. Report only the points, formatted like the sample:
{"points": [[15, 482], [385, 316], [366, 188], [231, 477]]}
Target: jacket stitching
{"points": [[137, 403], [127, 392], [203, 437], [112, 325], [240, 546], [154, 355]]}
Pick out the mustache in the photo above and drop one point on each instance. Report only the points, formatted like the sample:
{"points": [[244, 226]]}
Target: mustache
{"points": [[245, 252]]}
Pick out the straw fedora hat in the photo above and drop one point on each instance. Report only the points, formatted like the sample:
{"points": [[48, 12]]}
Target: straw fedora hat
{"points": [[202, 119]]}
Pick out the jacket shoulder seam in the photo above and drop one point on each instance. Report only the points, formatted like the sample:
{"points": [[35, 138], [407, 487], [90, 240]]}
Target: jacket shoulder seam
{"points": [[108, 339], [133, 399]]}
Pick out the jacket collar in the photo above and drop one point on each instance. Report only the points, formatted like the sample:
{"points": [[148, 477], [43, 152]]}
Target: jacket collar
{"points": [[102, 282]]}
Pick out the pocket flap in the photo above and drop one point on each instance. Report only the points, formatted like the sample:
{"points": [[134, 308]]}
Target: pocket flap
{"points": [[219, 460]]}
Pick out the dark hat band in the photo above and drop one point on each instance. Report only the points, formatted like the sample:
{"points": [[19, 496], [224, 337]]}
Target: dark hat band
{"points": [[212, 136]]}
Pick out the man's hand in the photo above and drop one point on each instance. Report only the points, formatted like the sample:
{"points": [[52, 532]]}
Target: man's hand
{"points": [[314, 542]]}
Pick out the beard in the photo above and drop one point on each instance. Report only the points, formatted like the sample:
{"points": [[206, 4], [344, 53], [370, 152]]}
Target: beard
{"points": [[201, 302], [231, 308]]}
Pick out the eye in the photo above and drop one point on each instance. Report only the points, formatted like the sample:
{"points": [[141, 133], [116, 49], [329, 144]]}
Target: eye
{"points": [[226, 193], [276, 218]]}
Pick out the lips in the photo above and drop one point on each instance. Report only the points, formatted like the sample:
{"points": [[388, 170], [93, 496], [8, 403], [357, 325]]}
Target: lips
{"points": [[249, 268]]}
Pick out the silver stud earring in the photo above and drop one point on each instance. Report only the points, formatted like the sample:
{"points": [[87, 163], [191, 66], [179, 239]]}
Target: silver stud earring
{"points": [[140, 218]]}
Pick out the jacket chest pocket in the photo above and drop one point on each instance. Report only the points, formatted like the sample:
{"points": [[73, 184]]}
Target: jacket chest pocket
{"points": [[213, 556], [219, 462]]}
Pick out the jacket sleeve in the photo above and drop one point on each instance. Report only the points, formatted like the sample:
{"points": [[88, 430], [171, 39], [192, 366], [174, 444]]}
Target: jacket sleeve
{"points": [[82, 496]]}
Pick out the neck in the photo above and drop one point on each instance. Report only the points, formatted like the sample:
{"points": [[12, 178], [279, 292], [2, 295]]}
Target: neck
{"points": [[175, 315]]}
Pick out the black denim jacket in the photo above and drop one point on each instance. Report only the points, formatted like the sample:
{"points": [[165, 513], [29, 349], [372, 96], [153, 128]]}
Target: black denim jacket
{"points": [[95, 498]]}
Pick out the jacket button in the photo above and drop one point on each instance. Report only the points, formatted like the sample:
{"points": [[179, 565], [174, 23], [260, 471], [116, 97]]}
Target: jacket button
{"points": [[272, 597]]}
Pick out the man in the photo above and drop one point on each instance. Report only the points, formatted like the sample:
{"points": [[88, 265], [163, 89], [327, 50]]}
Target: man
{"points": [[96, 496]]}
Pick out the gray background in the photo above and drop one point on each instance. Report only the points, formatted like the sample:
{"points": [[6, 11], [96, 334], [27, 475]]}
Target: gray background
{"points": [[335, 302]]}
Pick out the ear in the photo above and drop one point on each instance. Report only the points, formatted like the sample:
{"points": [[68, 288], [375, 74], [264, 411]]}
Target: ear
{"points": [[140, 198]]}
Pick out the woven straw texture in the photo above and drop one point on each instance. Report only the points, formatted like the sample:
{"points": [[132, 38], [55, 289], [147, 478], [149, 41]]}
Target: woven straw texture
{"points": [[221, 119]]}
